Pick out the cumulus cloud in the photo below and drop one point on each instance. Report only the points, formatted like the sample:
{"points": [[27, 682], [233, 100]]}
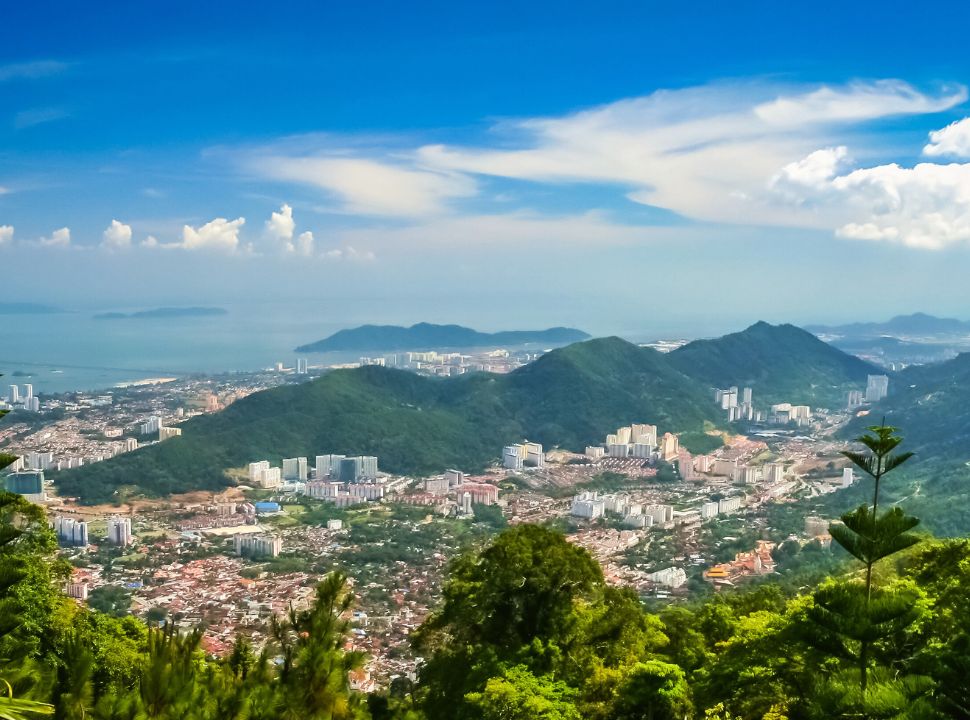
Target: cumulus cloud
{"points": [[281, 225], [58, 238], [926, 206], [6, 234], [150, 242], [953, 140], [117, 236], [219, 234], [304, 244]]}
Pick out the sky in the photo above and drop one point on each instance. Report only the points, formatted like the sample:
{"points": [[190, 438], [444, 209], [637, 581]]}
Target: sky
{"points": [[620, 167]]}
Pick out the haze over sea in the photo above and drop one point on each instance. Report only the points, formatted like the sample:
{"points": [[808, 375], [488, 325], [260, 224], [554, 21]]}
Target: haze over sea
{"points": [[71, 350]]}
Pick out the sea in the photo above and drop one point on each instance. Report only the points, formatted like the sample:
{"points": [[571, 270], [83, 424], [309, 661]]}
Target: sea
{"points": [[72, 351]]}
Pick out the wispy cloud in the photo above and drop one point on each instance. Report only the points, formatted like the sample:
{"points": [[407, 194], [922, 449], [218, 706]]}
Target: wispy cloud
{"points": [[367, 186], [31, 70], [38, 116]]}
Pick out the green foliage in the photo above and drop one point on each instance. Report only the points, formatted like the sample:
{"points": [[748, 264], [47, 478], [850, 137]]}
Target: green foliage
{"points": [[517, 694], [112, 600], [781, 363]]}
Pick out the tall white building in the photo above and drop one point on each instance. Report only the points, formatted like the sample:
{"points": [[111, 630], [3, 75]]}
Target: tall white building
{"points": [[534, 456], [295, 469], [119, 531], [14, 395], [70, 531], [587, 505], [151, 425], [258, 545], [512, 457], [877, 387], [853, 399], [847, 477]]}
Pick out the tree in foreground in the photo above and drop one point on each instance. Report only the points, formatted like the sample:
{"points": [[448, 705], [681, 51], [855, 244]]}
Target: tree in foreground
{"points": [[19, 522], [530, 616], [857, 619]]}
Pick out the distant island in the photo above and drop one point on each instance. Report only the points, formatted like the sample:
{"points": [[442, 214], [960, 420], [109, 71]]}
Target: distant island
{"points": [[163, 313], [426, 336], [28, 309], [915, 325]]}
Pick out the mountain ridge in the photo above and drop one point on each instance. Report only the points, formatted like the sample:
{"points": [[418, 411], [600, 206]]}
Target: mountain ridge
{"points": [[415, 424], [429, 336]]}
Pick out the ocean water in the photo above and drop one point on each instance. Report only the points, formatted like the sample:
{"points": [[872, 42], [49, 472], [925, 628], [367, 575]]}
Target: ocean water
{"points": [[73, 351]]}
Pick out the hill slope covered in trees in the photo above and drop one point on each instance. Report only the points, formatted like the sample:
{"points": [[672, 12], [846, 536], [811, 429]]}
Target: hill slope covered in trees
{"points": [[781, 363], [417, 424]]}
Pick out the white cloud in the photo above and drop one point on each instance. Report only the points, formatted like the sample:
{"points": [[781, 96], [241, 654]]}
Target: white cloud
{"points": [[304, 244], [31, 70], [219, 234], [281, 225], [4, 190], [6, 234], [58, 238], [856, 101], [371, 187], [150, 242], [926, 206], [117, 236], [953, 140], [708, 153], [37, 116]]}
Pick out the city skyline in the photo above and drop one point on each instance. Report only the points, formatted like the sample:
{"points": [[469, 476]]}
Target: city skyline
{"points": [[397, 156]]}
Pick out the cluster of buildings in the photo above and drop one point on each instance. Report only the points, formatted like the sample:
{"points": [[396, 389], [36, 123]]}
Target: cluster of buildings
{"points": [[523, 455], [592, 505], [453, 363], [639, 441], [745, 564], [453, 493], [72, 532], [296, 471], [739, 406], [25, 401], [154, 425]]}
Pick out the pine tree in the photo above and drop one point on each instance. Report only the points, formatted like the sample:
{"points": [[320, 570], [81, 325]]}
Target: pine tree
{"points": [[855, 616]]}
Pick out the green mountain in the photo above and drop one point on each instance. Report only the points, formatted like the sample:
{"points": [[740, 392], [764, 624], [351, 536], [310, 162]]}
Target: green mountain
{"points": [[415, 424], [425, 336], [781, 363]]}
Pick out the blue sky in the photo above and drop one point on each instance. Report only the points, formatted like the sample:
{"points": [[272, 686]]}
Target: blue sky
{"points": [[623, 167]]}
